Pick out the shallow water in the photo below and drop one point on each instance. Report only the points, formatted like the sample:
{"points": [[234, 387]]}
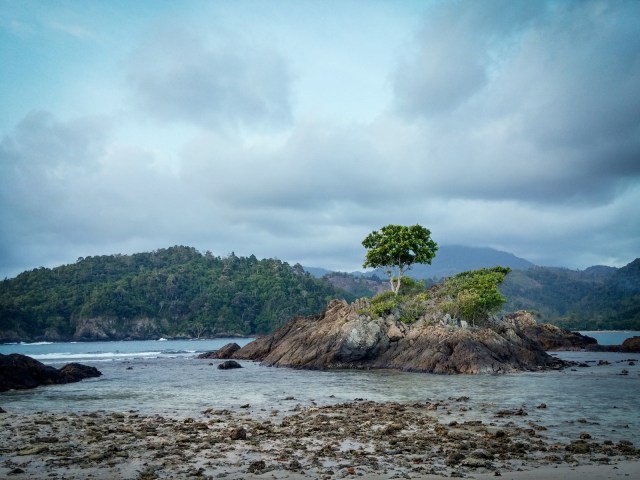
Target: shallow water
{"points": [[611, 337], [166, 378]]}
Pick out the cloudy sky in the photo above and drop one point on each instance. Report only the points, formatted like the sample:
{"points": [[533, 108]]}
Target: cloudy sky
{"points": [[292, 129]]}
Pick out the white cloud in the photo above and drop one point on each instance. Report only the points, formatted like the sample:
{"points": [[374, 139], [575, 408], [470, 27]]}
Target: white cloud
{"points": [[545, 112], [509, 124], [183, 76]]}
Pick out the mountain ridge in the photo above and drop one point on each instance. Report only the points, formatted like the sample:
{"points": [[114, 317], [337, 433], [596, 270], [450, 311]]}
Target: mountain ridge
{"points": [[180, 292], [449, 260]]}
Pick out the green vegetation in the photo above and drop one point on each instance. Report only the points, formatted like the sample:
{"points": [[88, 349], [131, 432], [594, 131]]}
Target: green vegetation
{"points": [[396, 248], [598, 298], [471, 296], [474, 296], [409, 305], [188, 293]]}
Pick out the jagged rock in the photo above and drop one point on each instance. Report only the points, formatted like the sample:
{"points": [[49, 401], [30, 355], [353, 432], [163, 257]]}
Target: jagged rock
{"points": [[19, 372], [238, 434], [454, 458], [394, 333], [341, 338], [549, 336], [257, 466], [224, 353], [229, 364], [473, 462], [631, 345], [74, 372], [108, 328]]}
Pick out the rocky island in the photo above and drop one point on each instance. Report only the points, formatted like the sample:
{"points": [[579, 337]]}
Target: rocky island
{"points": [[450, 328], [340, 337]]}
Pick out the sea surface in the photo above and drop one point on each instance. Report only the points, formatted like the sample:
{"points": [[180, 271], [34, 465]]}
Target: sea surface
{"points": [[611, 337], [165, 377]]}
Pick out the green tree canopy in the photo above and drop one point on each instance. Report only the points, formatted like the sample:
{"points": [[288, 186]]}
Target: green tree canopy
{"points": [[397, 248], [179, 291], [475, 293]]}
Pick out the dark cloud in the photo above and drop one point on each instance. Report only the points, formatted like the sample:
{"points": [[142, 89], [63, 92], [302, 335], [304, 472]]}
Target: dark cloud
{"points": [[456, 53], [182, 76], [66, 187], [535, 101], [36, 164], [514, 125]]}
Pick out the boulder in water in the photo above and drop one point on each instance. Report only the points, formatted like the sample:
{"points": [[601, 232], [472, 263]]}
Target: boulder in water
{"points": [[229, 364], [224, 353], [19, 372]]}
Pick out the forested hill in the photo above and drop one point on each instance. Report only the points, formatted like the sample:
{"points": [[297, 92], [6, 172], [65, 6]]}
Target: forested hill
{"points": [[598, 298], [167, 293]]}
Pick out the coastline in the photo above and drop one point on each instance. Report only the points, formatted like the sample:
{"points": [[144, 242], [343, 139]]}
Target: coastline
{"points": [[377, 440]]}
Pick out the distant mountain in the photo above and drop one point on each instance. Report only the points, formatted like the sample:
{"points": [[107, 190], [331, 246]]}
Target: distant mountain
{"points": [[449, 260], [317, 271], [452, 259], [598, 298]]}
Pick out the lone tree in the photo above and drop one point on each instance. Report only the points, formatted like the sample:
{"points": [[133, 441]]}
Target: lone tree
{"points": [[397, 248]]}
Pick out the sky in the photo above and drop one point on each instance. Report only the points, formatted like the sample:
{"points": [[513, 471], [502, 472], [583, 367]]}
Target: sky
{"points": [[292, 129]]}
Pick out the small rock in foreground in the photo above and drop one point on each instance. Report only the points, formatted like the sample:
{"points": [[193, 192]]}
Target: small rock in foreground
{"points": [[229, 364]]}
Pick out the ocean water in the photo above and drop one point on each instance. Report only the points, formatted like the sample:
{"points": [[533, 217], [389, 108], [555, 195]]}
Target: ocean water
{"points": [[611, 337], [164, 377]]}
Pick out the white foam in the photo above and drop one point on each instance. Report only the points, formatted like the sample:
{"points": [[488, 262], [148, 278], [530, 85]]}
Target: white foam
{"points": [[97, 356]]}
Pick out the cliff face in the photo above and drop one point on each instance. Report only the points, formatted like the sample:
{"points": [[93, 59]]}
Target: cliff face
{"points": [[105, 328], [341, 338]]}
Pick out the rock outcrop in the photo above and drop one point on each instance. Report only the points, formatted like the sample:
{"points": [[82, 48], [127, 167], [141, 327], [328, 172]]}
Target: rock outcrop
{"points": [[229, 365], [342, 338], [19, 372], [107, 328], [631, 345], [224, 353], [547, 335]]}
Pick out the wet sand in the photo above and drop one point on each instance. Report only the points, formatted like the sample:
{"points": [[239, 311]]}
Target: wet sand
{"points": [[356, 439]]}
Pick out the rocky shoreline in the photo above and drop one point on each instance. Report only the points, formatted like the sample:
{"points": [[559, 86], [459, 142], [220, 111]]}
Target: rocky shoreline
{"points": [[361, 438]]}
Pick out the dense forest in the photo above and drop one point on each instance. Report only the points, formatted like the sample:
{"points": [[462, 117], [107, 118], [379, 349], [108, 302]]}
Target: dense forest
{"points": [[171, 292], [598, 298], [180, 292]]}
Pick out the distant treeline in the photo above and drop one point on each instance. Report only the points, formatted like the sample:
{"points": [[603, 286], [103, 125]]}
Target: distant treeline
{"points": [[180, 290], [598, 298]]}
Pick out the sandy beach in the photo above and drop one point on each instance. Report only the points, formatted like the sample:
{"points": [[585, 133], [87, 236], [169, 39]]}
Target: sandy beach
{"points": [[356, 439]]}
